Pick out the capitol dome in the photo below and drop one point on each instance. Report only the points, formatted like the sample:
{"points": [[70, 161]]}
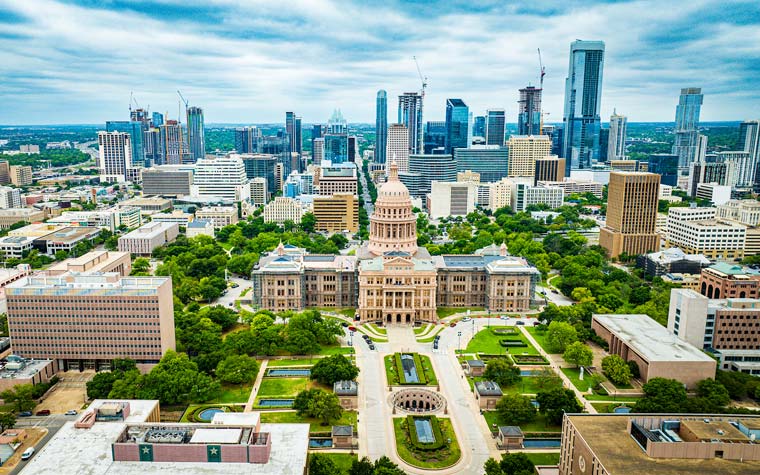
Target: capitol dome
{"points": [[393, 225]]}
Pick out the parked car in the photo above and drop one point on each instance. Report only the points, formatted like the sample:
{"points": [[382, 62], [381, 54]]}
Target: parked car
{"points": [[27, 453], [453, 324], [504, 317], [71, 412], [466, 319], [520, 322], [25, 414], [235, 285], [344, 324], [44, 412], [353, 329], [371, 346]]}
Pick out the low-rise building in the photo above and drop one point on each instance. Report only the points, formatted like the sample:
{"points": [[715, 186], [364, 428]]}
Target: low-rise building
{"points": [[488, 394], [95, 262], [686, 281], [64, 239], [11, 216], [15, 370], [110, 219], [510, 437], [714, 192], [148, 237], [672, 260], [200, 227], [696, 231], [220, 216], [571, 186], [148, 205], [343, 437], [176, 216], [524, 195], [723, 280], [15, 246], [283, 209], [451, 199], [348, 393], [655, 350]]}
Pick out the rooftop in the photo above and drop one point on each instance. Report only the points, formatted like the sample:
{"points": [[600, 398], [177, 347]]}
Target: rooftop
{"points": [[342, 431], [150, 230], [650, 339], [676, 254], [510, 431], [199, 223], [732, 269], [488, 388], [70, 234], [346, 388], [14, 367], [74, 283]]}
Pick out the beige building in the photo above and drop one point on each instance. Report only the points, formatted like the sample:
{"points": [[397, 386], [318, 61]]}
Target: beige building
{"points": [[500, 194], [451, 198], [524, 150], [487, 394], [570, 186], [9, 217], [631, 214], [283, 209], [468, 176], [95, 262], [84, 321], [697, 231], [259, 191], [5, 171], [148, 237], [337, 213], [549, 168], [220, 216], [337, 179], [149, 205], [348, 392], [21, 175], [397, 148]]}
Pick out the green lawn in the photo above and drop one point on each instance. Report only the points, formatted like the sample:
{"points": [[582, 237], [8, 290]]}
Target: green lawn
{"points": [[235, 393], [392, 376], [526, 386], [544, 458], [377, 329], [540, 338], [342, 462], [431, 336], [336, 350], [315, 425], [538, 425], [444, 312], [422, 329], [486, 341], [574, 375], [293, 362], [600, 397], [346, 312], [445, 457], [282, 387]]}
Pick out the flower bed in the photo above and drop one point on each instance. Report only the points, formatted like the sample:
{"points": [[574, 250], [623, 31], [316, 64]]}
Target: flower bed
{"points": [[512, 343], [529, 360]]}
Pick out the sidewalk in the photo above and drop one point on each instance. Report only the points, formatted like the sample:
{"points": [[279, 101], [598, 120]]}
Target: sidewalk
{"points": [[256, 386]]}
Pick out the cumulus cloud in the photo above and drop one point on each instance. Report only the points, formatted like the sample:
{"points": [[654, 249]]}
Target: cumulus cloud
{"points": [[248, 61]]}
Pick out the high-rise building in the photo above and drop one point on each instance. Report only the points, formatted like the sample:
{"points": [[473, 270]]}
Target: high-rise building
{"points": [[743, 167], [410, 114], [157, 119], [21, 175], [631, 214], [431, 168], [114, 155], [166, 181], [196, 133], [604, 142], [317, 131], [154, 152], [222, 177], [246, 139], [687, 124], [490, 161], [583, 97], [529, 111], [495, 127], [172, 141], [435, 136], [457, 124], [749, 141], [261, 166], [616, 142], [709, 172], [524, 150], [665, 165], [135, 130], [398, 146], [336, 213], [10, 197], [549, 168], [5, 169], [381, 126], [478, 126], [317, 150], [336, 139], [293, 128]]}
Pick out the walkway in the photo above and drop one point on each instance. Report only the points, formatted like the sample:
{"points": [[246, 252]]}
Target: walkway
{"points": [[256, 386]]}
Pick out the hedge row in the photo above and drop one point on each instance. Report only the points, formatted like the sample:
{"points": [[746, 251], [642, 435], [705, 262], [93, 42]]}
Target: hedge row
{"points": [[417, 364], [512, 342], [439, 442], [529, 359]]}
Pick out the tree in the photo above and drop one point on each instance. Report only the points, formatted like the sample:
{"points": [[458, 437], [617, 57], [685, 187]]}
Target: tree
{"points": [[616, 369], [334, 368], [7, 420], [362, 467], [503, 372], [662, 395], [326, 407], [321, 465], [237, 369], [579, 354], [20, 397], [556, 402], [516, 464], [515, 409], [302, 401], [384, 466], [100, 384], [560, 335], [492, 467], [308, 222], [545, 379], [715, 393], [141, 266]]}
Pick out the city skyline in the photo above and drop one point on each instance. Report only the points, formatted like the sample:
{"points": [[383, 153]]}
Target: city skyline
{"points": [[250, 63]]}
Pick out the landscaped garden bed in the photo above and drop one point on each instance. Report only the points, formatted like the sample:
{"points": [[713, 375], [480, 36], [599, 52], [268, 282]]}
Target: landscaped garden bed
{"points": [[409, 369], [529, 360], [442, 452], [204, 413]]}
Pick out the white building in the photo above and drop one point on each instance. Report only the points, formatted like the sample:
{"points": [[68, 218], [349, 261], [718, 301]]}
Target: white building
{"points": [[714, 192], [339, 178], [743, 170], [222, 177], [398, 146], [114, 156], [200, 227], [220, 216], [10, 197], [15, 246], [616, 143], [110, 219], [696, 231], [451, 199], [500, 194], [258, 191], [524, 150], [176, 216], [524, 195], [746, 212], [283, 209], [570, 186], [146, 238]]}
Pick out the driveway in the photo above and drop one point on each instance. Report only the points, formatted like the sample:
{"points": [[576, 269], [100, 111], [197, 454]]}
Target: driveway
{"points": [[233, 294]]}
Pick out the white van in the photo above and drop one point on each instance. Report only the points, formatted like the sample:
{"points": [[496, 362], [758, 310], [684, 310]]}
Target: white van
{"points": [[27, 453]]}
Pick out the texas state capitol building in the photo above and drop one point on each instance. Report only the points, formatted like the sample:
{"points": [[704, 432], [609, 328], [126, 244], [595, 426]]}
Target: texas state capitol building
{"points": [[390, 279]]}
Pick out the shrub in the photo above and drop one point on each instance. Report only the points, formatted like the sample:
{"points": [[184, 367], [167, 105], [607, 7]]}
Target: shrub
{"points": [[412, 429], [510, 342]]}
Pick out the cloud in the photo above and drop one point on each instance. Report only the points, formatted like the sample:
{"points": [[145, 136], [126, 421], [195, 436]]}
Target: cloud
{"points": [[249, 61]]}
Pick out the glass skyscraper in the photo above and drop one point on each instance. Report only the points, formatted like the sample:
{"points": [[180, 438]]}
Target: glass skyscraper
{"points": [[336, 139], [529, 116], [381, 126], [687, 123], [196, 140], [583, 96], [435, 136], [293, 129], [479, 126], [496, 121], [457, 124], [410, 114], [135, 130]]}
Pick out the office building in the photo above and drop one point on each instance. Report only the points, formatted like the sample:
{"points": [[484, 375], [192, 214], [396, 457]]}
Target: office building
{"points": [[583, 96], [10, 197], [490, 161], [84, 321], [145, 239], [247, 139], [614, 444], [431, 168], [148, 205], [157, 119], [749, 141], [457, 125], [548, 168], [631, 214], [173, 142], [628, 166], [687, 125], [410, 114], [665, 165], [696, 231], [294, 129], [259, 191], [729, 281], [398, 146], [135, 129], [381, 126], [220, 216], [336, 139], [435, 137], [95, 262], [710, 172], [571, 186], [11, 216], [5, 171], [176, 216], [655, 350], [318, 150], [740, 162], [713, 192], [529, 111], [282, 209], [338, 179], [337, 213], [263, 166], [167, 180], [196, 133], [524, 195], [604, 143], [617, 135], [478, 126], [451, 199], [524, 150], [500, 194], [222, 177], [114, 156], [29, 149], [671, 261]]}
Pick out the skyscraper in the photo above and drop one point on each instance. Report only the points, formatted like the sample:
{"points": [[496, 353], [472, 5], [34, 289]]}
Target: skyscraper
{"points": [[135, 130], [294, 130], [336, 139], [529, 115], [398, 146], [457, 124], [246, 139], [687, 123], [524, 150], [410, 114], [616, 143], [495, 124], [196, 139], [114, 155], [478, 126], [158, 119], [381, 126], [631, 214], [583, 96], [435, 136], [172, 142], [749, 141]]}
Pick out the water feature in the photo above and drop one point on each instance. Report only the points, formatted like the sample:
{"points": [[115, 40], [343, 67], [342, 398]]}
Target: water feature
{"points": [[541, 443], [526, 372], [207, 414], [320, 443], [622, 410], [276, 402], [410, 369], [424, 431], [300, 372]]}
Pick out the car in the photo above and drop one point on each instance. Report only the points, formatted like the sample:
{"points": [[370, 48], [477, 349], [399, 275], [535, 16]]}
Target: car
{"points": [[520, 322], [352, 329], [344, 324], [235, 285], [466, 319], [230, 304], [44, 412], [453, 324], [71, 412], [504, 317], [25, 414], [371, 346], [27, 453]]}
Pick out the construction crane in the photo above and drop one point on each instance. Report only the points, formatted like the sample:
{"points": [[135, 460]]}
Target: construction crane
{"points": [[183, 99], [132, 100], [542, 73], [542, 69], [423, 79]]}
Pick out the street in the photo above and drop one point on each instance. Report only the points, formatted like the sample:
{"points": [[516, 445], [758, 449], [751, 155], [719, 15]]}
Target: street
{"points": [[52, 423], [233, 294]]}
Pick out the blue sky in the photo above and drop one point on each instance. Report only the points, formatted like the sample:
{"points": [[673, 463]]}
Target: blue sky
{"points": [[248, 61]]}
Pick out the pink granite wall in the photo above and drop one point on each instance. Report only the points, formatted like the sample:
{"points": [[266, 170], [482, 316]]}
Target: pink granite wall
{"points": [[126, 453], [234, 454]]}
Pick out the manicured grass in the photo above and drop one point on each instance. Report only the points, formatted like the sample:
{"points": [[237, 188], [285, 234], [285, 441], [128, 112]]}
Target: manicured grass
{"points": [[486, 341], [538, 425], [293, 362], [392, 375], [599, 397], [431, 336], [235, 393], [377, 329], [315, 425], [444, 312], [543, 458], [422, 329], [282, 387], [609, 406], [427, 367], [527, 385], [199, 407], [574, 375], [346, 312], [342, 462], [336, 350], [436, 459], [540, 338]]}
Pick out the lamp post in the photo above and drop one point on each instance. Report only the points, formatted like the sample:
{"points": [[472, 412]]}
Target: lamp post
{"points": [[350, 338], [459, 344]]}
